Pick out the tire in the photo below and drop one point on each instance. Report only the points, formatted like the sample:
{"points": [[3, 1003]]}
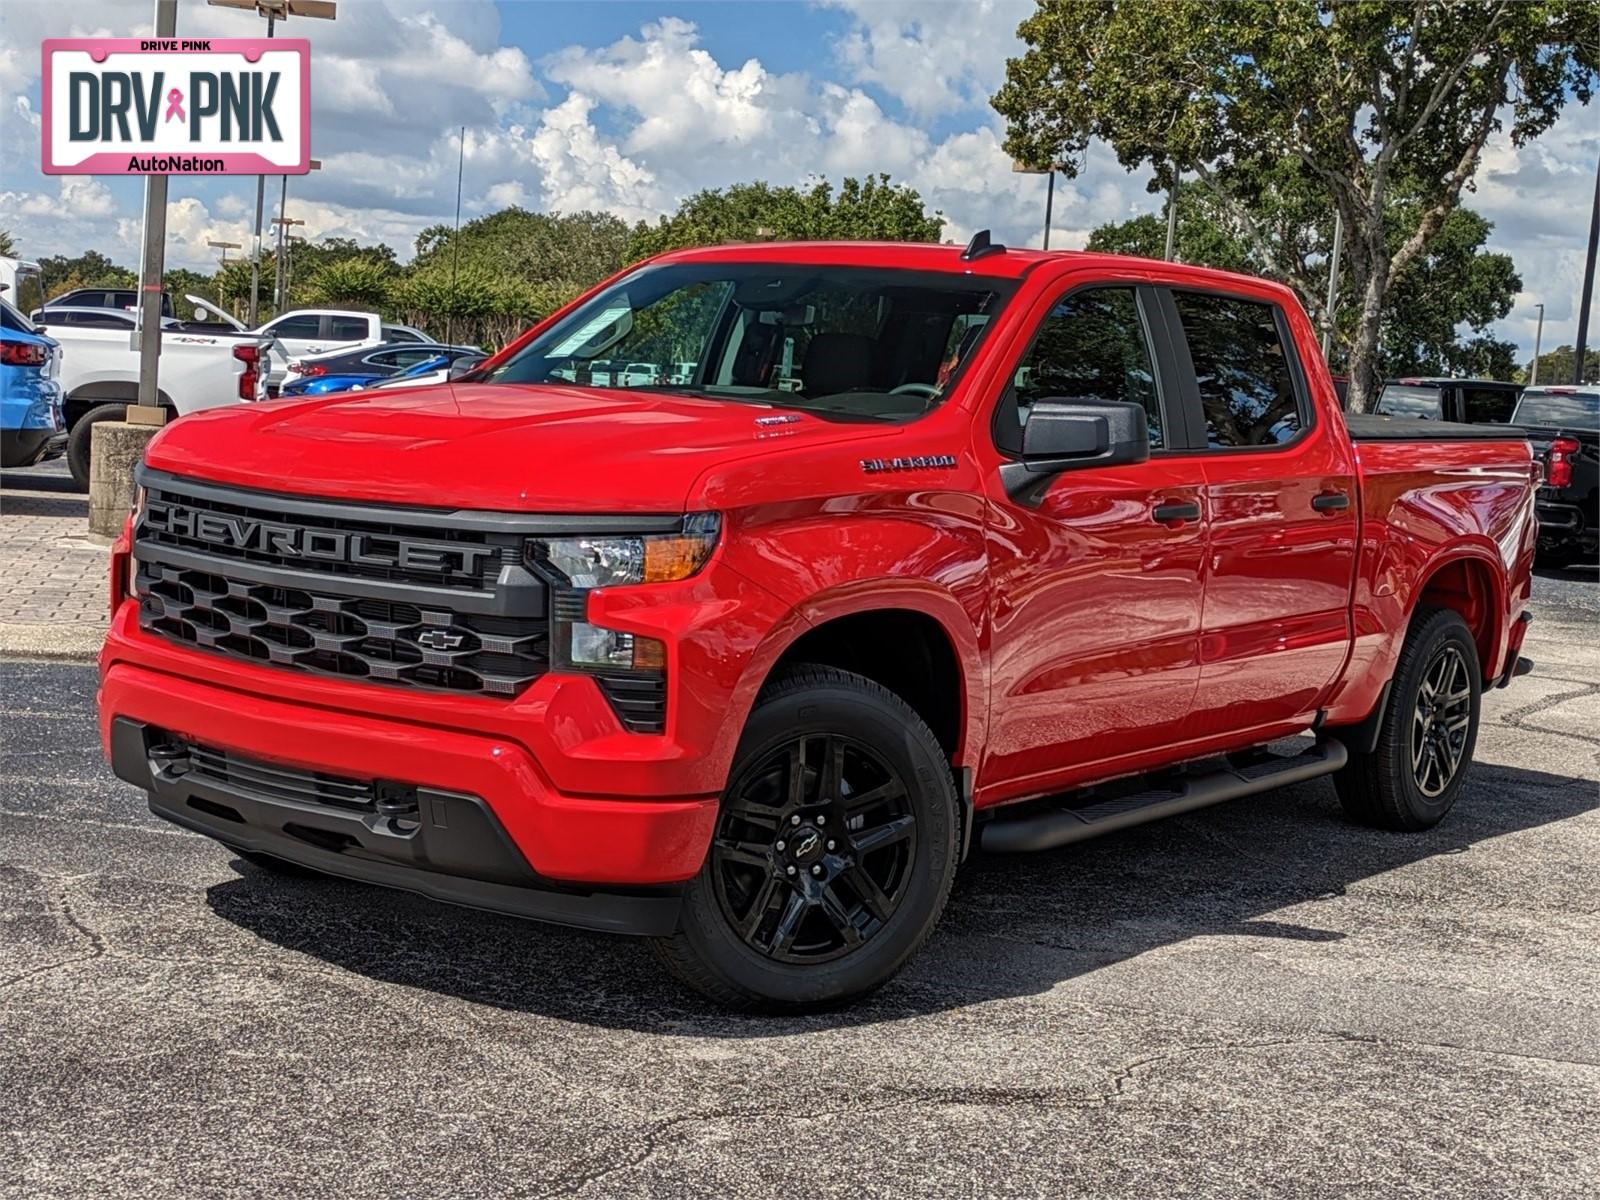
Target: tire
{"points": [[81, 437], [1412, 778], [276, 866], [755, 936]]}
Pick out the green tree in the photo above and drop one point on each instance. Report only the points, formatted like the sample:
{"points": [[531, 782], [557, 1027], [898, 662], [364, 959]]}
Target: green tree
{"points": [[358, 283], [564, 249], [1555, 366], [8, 246], [1454, 283], [869, 210], [180, 282], [1350, 100], [61, 273]]}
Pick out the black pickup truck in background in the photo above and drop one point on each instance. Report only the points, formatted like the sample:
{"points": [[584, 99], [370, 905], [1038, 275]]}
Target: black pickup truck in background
{"points": [[1465, 401], [1563, 423]]}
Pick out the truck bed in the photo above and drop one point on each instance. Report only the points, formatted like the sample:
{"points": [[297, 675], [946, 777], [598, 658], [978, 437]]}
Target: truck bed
{"points": [[1374, 427]]}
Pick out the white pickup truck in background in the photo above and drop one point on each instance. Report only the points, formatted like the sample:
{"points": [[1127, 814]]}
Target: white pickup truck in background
{"points": [[308, 331], [203, 365]]}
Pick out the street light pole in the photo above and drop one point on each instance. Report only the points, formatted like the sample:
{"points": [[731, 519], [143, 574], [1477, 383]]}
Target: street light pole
{"points": [[1538, 336], [255, 247], [1587, 298], [1333, 282], [154, 259], [280, 291], [272, 10]]}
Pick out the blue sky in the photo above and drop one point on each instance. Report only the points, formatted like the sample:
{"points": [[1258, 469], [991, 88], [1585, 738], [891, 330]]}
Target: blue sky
{"points": [[630, 105]]}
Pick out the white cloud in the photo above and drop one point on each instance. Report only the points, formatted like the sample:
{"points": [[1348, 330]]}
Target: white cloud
{"points": [[934, 56], [639, 122]]}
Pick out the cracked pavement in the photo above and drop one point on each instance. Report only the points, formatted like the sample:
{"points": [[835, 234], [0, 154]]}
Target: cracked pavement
{"points": [[1255, 999]]}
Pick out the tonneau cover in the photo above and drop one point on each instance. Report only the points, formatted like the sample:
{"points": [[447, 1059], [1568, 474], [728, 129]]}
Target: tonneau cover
{"points": [[1374, 427]]}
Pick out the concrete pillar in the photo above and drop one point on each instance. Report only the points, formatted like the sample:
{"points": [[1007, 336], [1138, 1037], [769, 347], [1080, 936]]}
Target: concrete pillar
{"points": [[115, 449]]}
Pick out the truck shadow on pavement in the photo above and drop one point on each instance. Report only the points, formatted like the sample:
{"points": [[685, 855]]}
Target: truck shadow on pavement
{"points": [[1015, 926]]}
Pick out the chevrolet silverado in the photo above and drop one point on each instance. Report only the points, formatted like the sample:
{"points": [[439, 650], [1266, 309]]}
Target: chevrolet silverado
{"points": [[933, 549]]}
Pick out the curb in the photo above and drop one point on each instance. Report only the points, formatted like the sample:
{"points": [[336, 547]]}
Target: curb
{"points": [[56, 643]]}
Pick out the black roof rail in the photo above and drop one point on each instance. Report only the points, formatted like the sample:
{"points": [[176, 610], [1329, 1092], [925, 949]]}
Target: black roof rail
{"points": [[981, 245]]}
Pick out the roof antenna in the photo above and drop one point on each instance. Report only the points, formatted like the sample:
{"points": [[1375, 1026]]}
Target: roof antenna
{"points": [[981, 245]]}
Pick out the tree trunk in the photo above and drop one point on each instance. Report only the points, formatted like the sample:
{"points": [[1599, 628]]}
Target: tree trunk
{"points": [[1366, 382]]}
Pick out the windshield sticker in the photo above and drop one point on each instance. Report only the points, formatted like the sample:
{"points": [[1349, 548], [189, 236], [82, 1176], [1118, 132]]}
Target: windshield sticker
{"points": [[589, 330]]}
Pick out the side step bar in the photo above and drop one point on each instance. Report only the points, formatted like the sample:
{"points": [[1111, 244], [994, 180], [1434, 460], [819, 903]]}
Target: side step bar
{"points": [[1062, 826]]}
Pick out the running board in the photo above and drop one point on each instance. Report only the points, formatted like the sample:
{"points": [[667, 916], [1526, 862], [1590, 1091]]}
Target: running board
{"points": [[1062, 826]]}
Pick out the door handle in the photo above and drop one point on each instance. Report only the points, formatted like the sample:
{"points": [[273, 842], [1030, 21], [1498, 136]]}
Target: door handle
{"points": [[1331, 502], [1175, 511]]}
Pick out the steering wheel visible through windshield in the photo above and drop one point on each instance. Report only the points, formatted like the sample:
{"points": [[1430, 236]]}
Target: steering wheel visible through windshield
{"points": [[850, 342]]}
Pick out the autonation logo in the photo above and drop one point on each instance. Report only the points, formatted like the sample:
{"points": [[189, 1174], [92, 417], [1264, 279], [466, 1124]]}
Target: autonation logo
{"points": [[208, 106]]}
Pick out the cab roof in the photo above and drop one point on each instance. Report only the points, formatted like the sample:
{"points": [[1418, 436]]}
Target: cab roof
{"points": [[1000, 262]]}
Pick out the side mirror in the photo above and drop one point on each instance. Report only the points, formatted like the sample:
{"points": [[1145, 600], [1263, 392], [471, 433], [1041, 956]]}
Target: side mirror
{"points": [[1065, 434], [463, 366]]}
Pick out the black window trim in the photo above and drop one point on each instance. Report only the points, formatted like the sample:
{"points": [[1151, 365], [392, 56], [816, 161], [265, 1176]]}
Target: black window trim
{"points": [[1195, 423], [1147, 305]]}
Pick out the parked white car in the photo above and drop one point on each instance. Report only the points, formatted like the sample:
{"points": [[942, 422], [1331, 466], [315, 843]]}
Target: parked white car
{"points": [[201, 367], [304, 332], [639, 374]]}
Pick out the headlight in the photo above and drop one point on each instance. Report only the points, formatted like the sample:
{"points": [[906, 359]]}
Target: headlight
{"points": [[614, 561], [617, 560]]}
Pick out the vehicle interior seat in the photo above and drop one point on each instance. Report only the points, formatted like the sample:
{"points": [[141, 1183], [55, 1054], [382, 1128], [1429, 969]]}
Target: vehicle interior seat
{"points": [[838, 362]]}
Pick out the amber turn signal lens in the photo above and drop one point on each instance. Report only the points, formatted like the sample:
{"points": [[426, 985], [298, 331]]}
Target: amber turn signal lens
{"points": [[649, 654], [669, 558]]}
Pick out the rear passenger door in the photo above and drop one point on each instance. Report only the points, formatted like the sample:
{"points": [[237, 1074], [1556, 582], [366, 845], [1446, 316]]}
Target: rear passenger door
{"points": [[1282, 509]]}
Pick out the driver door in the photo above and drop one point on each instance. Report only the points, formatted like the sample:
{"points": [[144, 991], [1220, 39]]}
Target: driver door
{"points": [[1095, 603]]}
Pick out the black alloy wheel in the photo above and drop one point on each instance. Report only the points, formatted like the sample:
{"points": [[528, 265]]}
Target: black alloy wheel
{"points": [[814, 848], [1440, 720], [836, 843], [1411, 776]]}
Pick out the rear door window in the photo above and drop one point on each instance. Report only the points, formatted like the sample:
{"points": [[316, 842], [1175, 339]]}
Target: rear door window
{"points": [[304, 325], [347, 329], [1489, 406], [1412, 400], [1247, 386]]}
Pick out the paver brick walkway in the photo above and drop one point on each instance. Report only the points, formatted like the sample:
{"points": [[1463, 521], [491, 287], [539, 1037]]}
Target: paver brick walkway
{"points": [[52, 571]]}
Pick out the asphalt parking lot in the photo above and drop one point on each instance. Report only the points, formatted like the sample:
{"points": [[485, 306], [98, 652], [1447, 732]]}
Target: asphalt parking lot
{"points": [[1258, 999]]}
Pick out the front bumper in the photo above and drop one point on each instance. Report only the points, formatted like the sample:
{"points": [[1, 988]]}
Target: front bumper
{"points": [[445, 845], [598, 845]]}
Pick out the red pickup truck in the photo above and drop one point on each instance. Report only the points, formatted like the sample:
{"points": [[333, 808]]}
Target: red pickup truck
{"points": [[904, 550]]}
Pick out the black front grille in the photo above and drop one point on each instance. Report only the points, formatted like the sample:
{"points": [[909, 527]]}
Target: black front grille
{"points": [[227, 769], [297, 584], [405, 644]]}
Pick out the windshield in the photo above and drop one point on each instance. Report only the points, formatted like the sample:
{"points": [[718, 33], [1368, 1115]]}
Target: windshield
{"points": [[1576, 409], [856, 343], [1404, 400]]}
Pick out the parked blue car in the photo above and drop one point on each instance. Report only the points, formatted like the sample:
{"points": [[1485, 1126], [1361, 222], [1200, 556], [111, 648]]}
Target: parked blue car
{"points": [[341, 371], [31, 425]]}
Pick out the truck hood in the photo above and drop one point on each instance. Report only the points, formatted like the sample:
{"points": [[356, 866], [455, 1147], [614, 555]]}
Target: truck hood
{"points": [[510, 448]]}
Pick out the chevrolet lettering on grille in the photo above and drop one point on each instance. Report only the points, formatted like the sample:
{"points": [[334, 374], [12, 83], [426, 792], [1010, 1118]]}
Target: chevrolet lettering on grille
{"points": [[323, 545]]}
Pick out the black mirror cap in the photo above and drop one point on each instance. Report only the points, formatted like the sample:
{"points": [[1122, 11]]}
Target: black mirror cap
{"points": [[1065, 434]]}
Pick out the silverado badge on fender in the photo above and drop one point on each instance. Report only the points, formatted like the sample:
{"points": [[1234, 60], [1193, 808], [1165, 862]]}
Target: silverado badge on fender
{"points": [[915, 462]]}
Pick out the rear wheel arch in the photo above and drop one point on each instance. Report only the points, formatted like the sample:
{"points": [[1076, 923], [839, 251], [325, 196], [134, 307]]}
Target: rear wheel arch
{"points": [[1473, 586]]}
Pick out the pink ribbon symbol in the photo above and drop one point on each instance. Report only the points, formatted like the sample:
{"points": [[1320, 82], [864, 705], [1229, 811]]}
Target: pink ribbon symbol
{"points": [[175, 105]]}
